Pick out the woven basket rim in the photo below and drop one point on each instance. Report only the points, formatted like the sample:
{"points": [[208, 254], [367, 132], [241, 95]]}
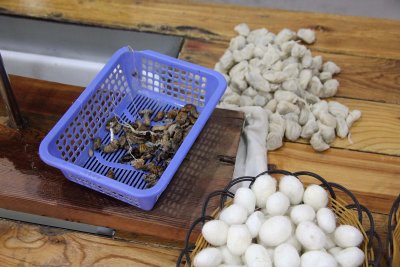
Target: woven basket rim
{"points": [[352, 212], [393, 238]]}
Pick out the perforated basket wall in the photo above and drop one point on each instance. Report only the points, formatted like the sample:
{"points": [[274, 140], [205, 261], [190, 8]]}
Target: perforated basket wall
{"points": [[129, 82], [348, 211]]}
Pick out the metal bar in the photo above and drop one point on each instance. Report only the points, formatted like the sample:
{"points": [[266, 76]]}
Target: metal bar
{"points": [[14, 115], [43, 220]]}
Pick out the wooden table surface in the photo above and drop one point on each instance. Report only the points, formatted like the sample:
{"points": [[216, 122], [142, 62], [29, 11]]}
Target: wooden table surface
{"points": [[366, 49]]}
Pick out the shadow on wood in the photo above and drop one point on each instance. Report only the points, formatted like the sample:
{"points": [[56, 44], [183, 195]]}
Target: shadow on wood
{"points": [[29, 185]]}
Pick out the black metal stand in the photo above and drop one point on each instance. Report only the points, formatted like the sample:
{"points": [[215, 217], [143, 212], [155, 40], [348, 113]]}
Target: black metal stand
{"points": [[14, 115]]}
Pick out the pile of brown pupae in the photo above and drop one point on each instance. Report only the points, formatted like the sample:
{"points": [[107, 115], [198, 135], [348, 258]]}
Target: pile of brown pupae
{"points": [[150, 142]]}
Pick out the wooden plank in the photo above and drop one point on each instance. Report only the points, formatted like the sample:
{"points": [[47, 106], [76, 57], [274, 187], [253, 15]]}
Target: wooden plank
{"points": [[29, 185], [32, 93], [372, 177], [361, 78], [377, 130], [29, 92], [31, 245], [24, 244], [340, 34]]}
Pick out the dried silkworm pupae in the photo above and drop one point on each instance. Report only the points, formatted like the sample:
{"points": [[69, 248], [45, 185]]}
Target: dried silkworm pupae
{"points": [[140, 126], [187, 108], [151, 179], [146, 113], [187, 130], [111, 147], [163, 155], [164, 142], [181, 117], [149, 147], [126, 158], [154, 138], [147, 155], [193, 111], [171, 114], [122, 141], [117, 128], [143, 149], [159, 116], [134, 139], [110, 174], [138, 164], [192, 119], [111, 123], [159, 128], [96, 143], [155, 169], [190, 108], [178, 135]]}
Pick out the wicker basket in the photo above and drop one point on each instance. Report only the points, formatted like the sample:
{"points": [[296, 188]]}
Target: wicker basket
{"points": [[393, 238], [347, 209]]}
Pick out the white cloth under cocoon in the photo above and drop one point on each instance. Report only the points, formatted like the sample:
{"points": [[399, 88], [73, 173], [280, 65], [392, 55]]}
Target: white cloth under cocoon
{"points": [[251, 158]]}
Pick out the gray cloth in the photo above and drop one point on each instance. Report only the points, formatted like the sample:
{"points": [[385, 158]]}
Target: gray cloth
{"points": [[251, 158]]}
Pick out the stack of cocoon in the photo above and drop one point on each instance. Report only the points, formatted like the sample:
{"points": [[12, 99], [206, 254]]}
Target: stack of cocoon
{"points": [[280, 225], [279, 73]]}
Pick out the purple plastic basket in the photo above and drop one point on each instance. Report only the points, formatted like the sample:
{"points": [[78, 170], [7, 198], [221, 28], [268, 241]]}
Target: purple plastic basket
{"points": [[129, 82]]}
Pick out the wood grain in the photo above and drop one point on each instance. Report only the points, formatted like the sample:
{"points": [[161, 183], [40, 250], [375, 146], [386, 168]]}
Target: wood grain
{"points": [[372, 177], [31, 245], [362, 77], [29, 92], [26, 245], [339, 34], [377, 130], [366, 49], [32, 93], [29, 185]]}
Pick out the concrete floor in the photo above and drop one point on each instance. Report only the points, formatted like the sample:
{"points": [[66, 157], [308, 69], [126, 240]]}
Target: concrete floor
{"points": [[389, 9]]}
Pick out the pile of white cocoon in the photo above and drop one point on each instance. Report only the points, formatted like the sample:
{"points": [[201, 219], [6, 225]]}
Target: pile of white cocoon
{"points": [[288, 227], [279, 73]]}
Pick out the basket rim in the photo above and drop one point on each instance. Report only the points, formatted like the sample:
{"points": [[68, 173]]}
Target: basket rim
{"points": [[391, 241], [369, 235], [180, 154]]}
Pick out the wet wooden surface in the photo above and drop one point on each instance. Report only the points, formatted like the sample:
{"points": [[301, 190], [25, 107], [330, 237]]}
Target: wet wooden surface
{"points": [[31, 245], [366, 49], [29, 185]]}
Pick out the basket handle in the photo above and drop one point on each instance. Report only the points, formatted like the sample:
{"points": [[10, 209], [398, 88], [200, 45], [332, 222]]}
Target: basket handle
{"points": [[222, 193], [184, 252], [391, 227], [187, 248], [353, 198], [378, 257], [327, 185], [275, 171], [324, 182], [235, 181]]}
